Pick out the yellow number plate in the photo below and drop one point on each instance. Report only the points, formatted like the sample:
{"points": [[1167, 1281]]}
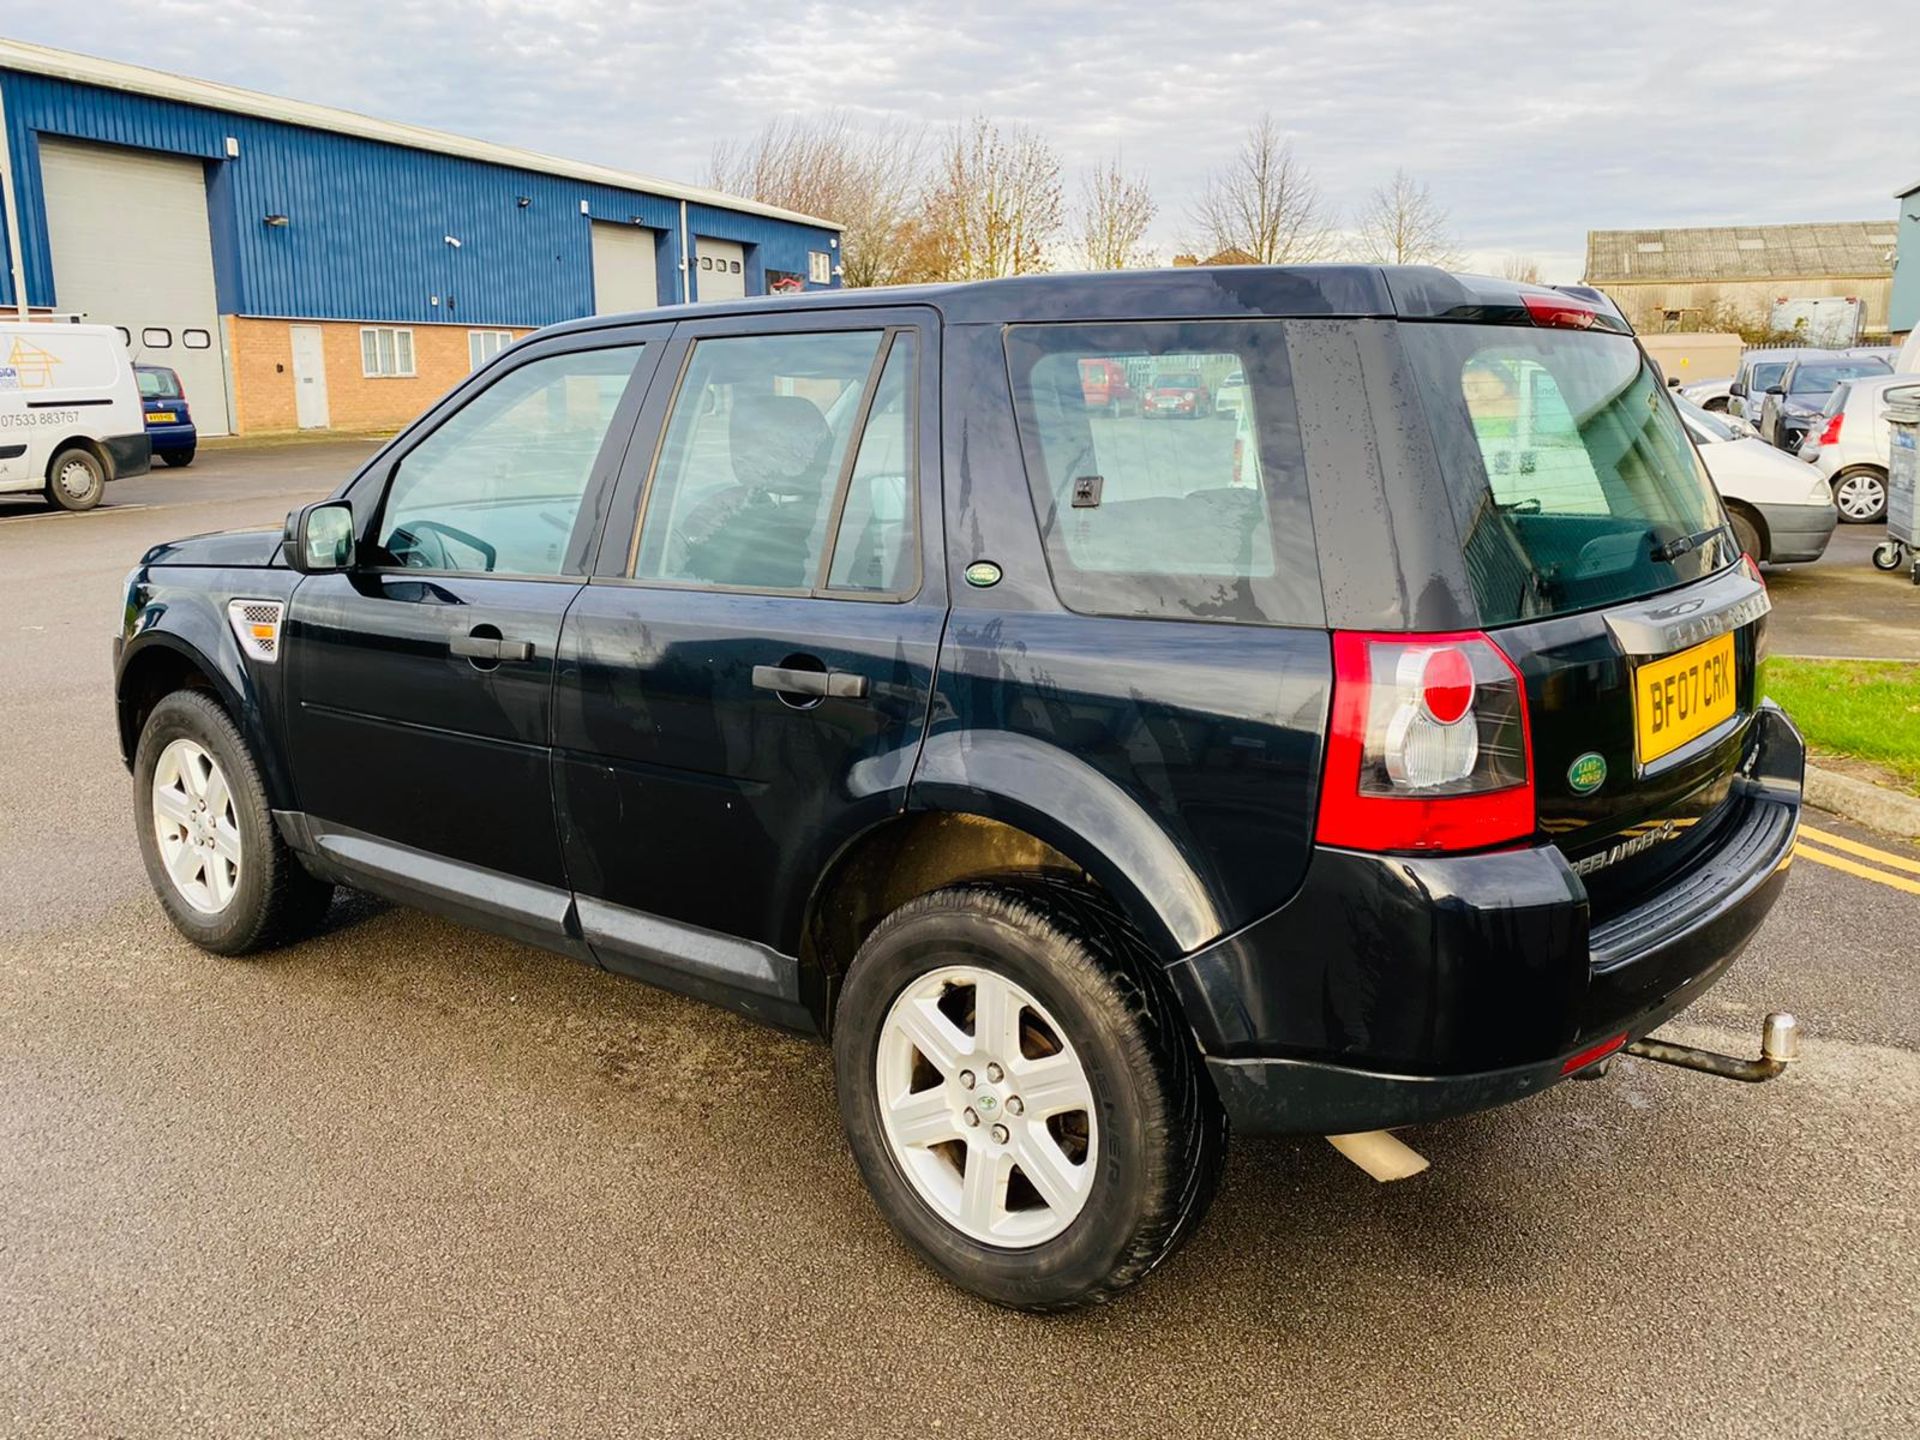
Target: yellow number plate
{"points": [[162, 417], [1682, 697]]}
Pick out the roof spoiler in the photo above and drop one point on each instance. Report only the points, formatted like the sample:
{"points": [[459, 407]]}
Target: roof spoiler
{"points": [[1423, 292]]}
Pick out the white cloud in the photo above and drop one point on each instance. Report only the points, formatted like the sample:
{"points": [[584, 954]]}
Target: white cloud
{"points": [[1531, 120]]}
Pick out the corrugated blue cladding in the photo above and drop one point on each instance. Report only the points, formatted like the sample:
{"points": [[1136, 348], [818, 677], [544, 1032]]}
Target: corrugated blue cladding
{"points": [[367, 223]]}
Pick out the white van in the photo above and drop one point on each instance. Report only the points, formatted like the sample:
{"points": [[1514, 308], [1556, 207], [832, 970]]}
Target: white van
{"points": [[70, 413]]}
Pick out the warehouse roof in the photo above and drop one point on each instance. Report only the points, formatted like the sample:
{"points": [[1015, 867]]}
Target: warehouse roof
{"points": [[137, 79], [1850, 249]]}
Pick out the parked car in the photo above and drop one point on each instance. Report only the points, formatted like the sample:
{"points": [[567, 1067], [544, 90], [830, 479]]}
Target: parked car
{"points": [[1797, 398], [1104, 386], [1780, 513], [1710, 395], [169, 422], [1089, 789], [1850, 446], [1232, 393], [1180, 392], [1759, 369], [69, 412]]}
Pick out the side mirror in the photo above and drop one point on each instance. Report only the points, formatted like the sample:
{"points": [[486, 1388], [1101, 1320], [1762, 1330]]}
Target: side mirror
{"points": [[1776, 389], [319, 537], [1737, 388]]}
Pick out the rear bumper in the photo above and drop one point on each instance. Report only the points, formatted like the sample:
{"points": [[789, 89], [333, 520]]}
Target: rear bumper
{"points": [[1394, 990], [173, 437], [130, 455], [1797, 532]]}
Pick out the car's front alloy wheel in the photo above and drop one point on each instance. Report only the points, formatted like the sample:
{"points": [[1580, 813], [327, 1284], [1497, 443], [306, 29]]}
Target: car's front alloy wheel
{"points": [[196, 826]]}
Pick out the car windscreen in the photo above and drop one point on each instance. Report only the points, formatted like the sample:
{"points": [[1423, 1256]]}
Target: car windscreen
{"points": [[1705, 425], [1571, 479], [157, 384], [1820, 379], [1207, 519]]}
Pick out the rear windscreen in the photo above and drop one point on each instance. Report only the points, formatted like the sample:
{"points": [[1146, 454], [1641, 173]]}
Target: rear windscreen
{"points": [[1195, 515], [1571, 479]]}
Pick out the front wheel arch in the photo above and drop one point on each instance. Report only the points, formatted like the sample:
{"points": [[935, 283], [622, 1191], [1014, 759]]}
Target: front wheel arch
{"points": [[1744, 514]]}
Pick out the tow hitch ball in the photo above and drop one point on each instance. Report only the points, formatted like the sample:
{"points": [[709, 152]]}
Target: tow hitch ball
{"points": [[1779, 1048]]}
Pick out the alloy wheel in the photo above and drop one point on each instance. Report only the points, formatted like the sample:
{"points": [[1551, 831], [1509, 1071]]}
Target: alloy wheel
{"points": [[986, 1107], [197, 826]]}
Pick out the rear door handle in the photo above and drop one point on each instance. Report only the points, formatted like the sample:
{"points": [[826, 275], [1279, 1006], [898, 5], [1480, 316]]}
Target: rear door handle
{"points": [[785, 680], [490, 647]]}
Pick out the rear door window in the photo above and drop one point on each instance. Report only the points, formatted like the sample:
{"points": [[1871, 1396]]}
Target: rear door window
{"points": [[1183, 513]]}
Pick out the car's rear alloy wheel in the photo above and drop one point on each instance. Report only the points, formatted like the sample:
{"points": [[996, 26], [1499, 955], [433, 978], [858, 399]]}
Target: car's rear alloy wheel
{"points": [[986, 1106], [1022, 1093], [1861, 496], [197, 828]]}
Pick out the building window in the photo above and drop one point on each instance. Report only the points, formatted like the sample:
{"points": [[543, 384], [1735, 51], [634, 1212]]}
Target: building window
{"points": [[385, 350], [819, 267], [483, 345]]}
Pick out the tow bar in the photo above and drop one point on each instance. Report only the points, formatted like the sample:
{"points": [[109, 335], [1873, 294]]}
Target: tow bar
{"points": [[1779, 1048]]}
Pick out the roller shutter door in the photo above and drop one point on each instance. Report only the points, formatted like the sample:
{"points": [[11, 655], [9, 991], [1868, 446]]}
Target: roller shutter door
{"points": [[722, 269], [128, 232], [626, 274]]}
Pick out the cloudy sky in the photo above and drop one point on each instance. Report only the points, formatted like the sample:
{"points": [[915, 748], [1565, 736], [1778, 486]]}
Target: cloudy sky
{"points": [[1531, 120]]}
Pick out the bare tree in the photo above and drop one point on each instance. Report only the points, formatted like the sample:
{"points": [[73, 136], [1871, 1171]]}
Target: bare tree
{"points": [[1115, 210], [868, 178], [1402, 224], [1265, 203], [994, 205], [1523, 268]]}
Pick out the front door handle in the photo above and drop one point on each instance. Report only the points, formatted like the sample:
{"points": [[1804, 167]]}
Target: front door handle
{"points": [[788, 680], [486, 643]]}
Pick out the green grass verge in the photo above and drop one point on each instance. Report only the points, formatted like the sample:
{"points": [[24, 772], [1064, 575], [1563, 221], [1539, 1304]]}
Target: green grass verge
{"points": [[1863, 709]]}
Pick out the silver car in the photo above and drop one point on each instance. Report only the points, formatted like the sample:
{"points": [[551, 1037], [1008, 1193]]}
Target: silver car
{"points": [[1851, 446]]}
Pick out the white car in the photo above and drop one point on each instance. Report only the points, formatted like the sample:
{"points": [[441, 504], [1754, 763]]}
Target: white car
{"points": [[1851, 446], [1232, 394], [1781, 510], [70, 412]]}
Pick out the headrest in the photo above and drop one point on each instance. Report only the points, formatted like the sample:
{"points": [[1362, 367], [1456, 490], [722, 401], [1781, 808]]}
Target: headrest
{"points": [[779, 442]]}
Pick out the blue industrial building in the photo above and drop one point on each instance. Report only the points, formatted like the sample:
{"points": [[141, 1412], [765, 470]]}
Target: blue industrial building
{"points": [[305, 266]]}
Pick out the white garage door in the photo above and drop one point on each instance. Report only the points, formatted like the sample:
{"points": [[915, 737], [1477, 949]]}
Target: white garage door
{"points": [[721, 269], [128, 230], [625, 275]]}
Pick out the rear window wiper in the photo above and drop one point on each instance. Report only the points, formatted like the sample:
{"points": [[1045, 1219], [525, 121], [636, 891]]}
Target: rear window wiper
{"points": [[1673, 549]]}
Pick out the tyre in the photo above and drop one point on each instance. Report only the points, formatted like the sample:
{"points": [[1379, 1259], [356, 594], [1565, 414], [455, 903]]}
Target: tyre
{"points": [[1747, 534], [1861, 496], [76, 480], [1022, 1096], [178, 459], [227, 880]]}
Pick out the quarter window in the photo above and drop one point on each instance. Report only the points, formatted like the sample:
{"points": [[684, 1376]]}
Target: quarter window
{"points": [[497, 488], [1161, 489], [154, 337], [776, 443], [386, 351], [483, 345]]}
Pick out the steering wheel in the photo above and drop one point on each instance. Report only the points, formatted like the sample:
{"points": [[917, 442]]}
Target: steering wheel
{"points": [[441, 532]]}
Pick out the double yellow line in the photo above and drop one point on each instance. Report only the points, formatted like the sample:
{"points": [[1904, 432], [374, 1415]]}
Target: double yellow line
{"points": [[1840, 862]]}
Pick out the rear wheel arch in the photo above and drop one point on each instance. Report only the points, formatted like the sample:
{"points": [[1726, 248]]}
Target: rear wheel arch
{"points": [[914, 854], [81, 442]]}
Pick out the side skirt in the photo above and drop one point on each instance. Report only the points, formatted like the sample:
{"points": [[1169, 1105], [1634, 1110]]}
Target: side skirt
{"points": [[737, 974]]}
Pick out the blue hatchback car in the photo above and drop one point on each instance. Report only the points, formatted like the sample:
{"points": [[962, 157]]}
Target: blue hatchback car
{"points": [[169, 421]]}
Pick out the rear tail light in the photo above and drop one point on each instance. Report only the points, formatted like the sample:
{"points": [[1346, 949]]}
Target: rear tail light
{"points": [[1428, 747], [1831, 435]]}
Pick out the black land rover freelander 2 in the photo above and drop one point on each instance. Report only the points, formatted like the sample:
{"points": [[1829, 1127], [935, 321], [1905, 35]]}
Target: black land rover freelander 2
{"points": [[1383, 747]]}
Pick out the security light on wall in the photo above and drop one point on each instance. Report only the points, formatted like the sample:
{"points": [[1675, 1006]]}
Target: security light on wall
{"points": [[276, 220], [233, 147], [453, 241], [523, 201]]}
